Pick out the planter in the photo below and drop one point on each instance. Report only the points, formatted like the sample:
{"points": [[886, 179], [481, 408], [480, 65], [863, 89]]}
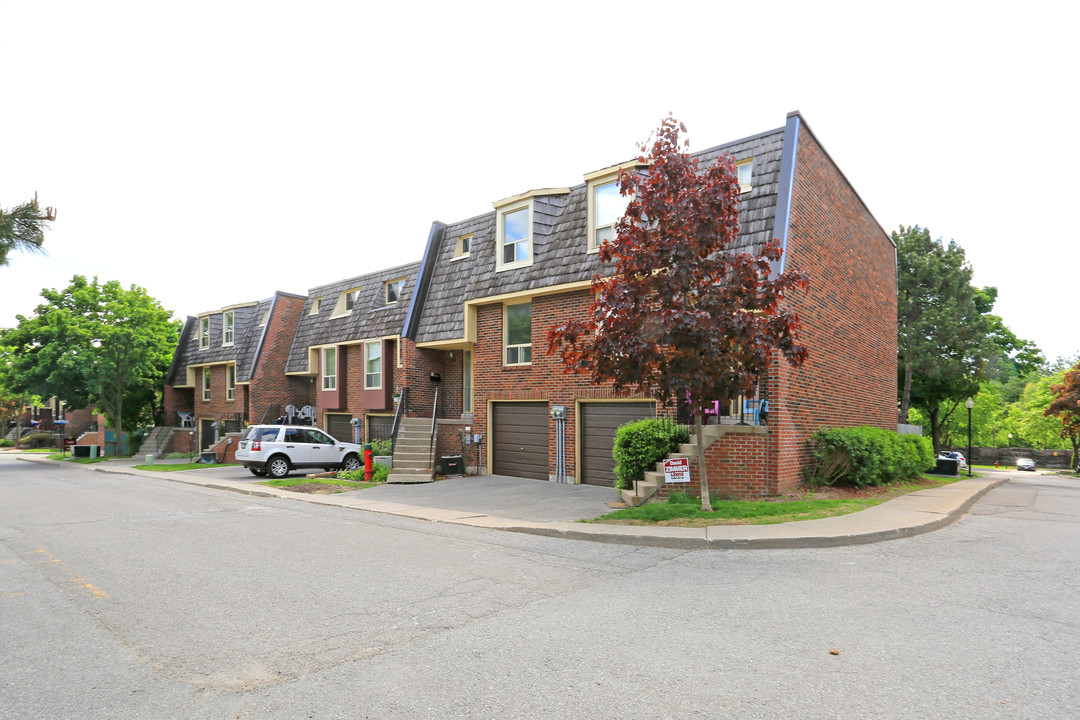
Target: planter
{"points": [[387, 460]]}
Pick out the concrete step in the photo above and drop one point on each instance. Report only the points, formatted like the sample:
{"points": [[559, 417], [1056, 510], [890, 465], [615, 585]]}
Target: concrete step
{"points": [[400, 477]]}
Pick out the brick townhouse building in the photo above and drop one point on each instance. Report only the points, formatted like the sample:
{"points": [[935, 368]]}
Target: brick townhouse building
{"points": [[461, 335]]}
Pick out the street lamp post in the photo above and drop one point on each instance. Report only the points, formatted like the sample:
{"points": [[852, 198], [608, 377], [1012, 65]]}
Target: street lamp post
{"points": [[969, 405]]}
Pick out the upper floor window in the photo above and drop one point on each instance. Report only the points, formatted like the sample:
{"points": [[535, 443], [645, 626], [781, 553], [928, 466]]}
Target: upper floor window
{"points": [[346, 302], [206, 383], [393, 291], [314, 310], [351, 298], [607, 205], [745, 170], [265, 317], [229, 320], [329, 368], [373, 365], [230, 382], [514, 236], [463, 247], [204, 333], [518, 339]]}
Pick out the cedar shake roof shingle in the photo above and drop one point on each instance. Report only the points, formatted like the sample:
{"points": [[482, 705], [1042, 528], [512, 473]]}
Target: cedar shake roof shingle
{"points": [[371, 317], [248, 332], [560, 239]]}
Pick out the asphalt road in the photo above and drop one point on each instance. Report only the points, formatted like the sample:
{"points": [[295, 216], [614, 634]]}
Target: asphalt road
{"points": [[128, 597]]}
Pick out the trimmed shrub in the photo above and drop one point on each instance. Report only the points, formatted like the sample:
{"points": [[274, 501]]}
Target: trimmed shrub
{"points": [[382, 447], [4, 442], [867, 456], [38, 440], [639, 445]]}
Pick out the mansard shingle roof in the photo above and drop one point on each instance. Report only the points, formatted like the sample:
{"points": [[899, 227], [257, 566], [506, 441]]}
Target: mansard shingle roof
{"points": [[560, 240], [246, 333], [370, 318]]}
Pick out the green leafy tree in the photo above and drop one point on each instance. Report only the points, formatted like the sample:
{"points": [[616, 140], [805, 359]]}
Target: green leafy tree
{"points": [[682, 314], [947, 335], [94, 344], [23, 228]]}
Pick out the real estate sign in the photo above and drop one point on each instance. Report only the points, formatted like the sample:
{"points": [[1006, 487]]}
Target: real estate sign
{"points": [[677, 470]]}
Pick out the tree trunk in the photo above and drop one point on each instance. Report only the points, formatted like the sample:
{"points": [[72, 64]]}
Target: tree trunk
{"points": [[935, 429], [905, 399], [706, 504]]}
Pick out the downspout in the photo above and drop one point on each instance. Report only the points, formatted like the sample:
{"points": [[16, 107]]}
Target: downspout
{"points": [[786, 187]]}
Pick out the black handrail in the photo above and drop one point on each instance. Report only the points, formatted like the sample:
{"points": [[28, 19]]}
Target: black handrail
{"points": [[431, 445], [398, 412]]}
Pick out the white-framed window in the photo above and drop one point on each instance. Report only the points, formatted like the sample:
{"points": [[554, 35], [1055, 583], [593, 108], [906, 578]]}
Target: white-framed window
{"points": [[466, 381], [206, 383], [518, 334], [351, 299], [745, 170], [329, 368], [513, 236], [230, 382], [393, 291], [463, 247], [228, 328], [314, 309], [606, 206], [204, 333], [373, 365]]}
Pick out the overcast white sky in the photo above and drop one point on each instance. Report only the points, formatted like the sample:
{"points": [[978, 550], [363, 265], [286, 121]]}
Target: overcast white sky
{"points": [[214, 152]]}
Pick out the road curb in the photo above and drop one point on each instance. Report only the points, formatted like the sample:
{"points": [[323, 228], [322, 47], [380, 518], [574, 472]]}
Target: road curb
{"points": [[888, 521]]}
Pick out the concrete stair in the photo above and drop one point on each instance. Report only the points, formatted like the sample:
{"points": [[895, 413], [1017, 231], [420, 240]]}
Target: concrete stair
{"points": [[157, 441], [654, 480], [413, 461]]}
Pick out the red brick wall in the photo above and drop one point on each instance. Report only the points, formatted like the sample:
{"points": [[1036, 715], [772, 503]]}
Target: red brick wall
{"points": [[848, 316], [737, 464], [271, 389]]}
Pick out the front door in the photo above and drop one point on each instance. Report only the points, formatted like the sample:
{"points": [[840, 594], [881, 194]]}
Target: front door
{"points": [[207, 436]]}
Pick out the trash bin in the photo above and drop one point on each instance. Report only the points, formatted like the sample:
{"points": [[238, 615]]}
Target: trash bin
{"points": [[947, 466], [452, 465], [208, 458]]}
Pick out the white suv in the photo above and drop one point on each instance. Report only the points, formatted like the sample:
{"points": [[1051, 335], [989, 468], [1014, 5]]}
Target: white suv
{"points": [[274, 450]]}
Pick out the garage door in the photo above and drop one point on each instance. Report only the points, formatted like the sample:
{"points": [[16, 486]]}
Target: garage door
{"points": [[337, 425], [598, 424], [519, 443]]}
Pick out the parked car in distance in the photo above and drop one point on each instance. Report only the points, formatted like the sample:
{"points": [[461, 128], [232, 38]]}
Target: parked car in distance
{"points": [[1025, 464], [953, 455], [275, 450]]}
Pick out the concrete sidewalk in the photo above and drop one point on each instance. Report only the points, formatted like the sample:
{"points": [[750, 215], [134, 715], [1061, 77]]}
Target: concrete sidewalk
{"points": [[539, 508]]}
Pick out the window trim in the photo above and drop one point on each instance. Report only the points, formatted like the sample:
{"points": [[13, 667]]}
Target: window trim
{"points": [[228, 328], [593, 185], [204, 333], [230, 382], [367, 359], [460, 250], [506, 336], [342, 308], [206, 384], [747, 163], [314, 309], [500, 234], [400, 282], [328, 381]]}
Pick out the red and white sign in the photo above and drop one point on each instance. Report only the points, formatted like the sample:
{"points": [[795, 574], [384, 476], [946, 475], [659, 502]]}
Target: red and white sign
{"points": [[677, 470]]}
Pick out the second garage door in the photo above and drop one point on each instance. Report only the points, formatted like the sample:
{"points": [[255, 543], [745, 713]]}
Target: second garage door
{"points": [[519, 443], [598, 424]]}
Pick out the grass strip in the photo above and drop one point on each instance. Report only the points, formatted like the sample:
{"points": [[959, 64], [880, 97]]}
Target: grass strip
{"points": [[291, 482], [176, 467]]}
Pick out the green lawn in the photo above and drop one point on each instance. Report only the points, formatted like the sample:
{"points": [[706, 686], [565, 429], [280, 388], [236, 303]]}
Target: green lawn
{"points": [[685, 511], [292, 482]]}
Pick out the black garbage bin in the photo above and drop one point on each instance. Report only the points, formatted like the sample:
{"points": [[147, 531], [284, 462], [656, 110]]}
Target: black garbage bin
{"points": [[947, 466]]}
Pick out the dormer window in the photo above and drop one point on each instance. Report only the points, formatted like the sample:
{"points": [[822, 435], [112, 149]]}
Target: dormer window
{"points": [[314, 307], [204, 333], [745, 170], [346, 302], [606, 204], [265, 318], [393, 291], [514, 236], [463, 247], [229, 319]]}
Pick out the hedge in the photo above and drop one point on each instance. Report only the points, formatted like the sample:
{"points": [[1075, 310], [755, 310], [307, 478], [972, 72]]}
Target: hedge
{"points": [[640, 444], [867, 456]]}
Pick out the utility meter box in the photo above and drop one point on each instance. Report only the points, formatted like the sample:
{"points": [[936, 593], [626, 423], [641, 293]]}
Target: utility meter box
{"points": [[558, 412]]}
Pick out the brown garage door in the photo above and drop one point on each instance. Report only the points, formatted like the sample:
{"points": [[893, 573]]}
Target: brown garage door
{"points": [[598, 424], [337, 425], [519, 442]]}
